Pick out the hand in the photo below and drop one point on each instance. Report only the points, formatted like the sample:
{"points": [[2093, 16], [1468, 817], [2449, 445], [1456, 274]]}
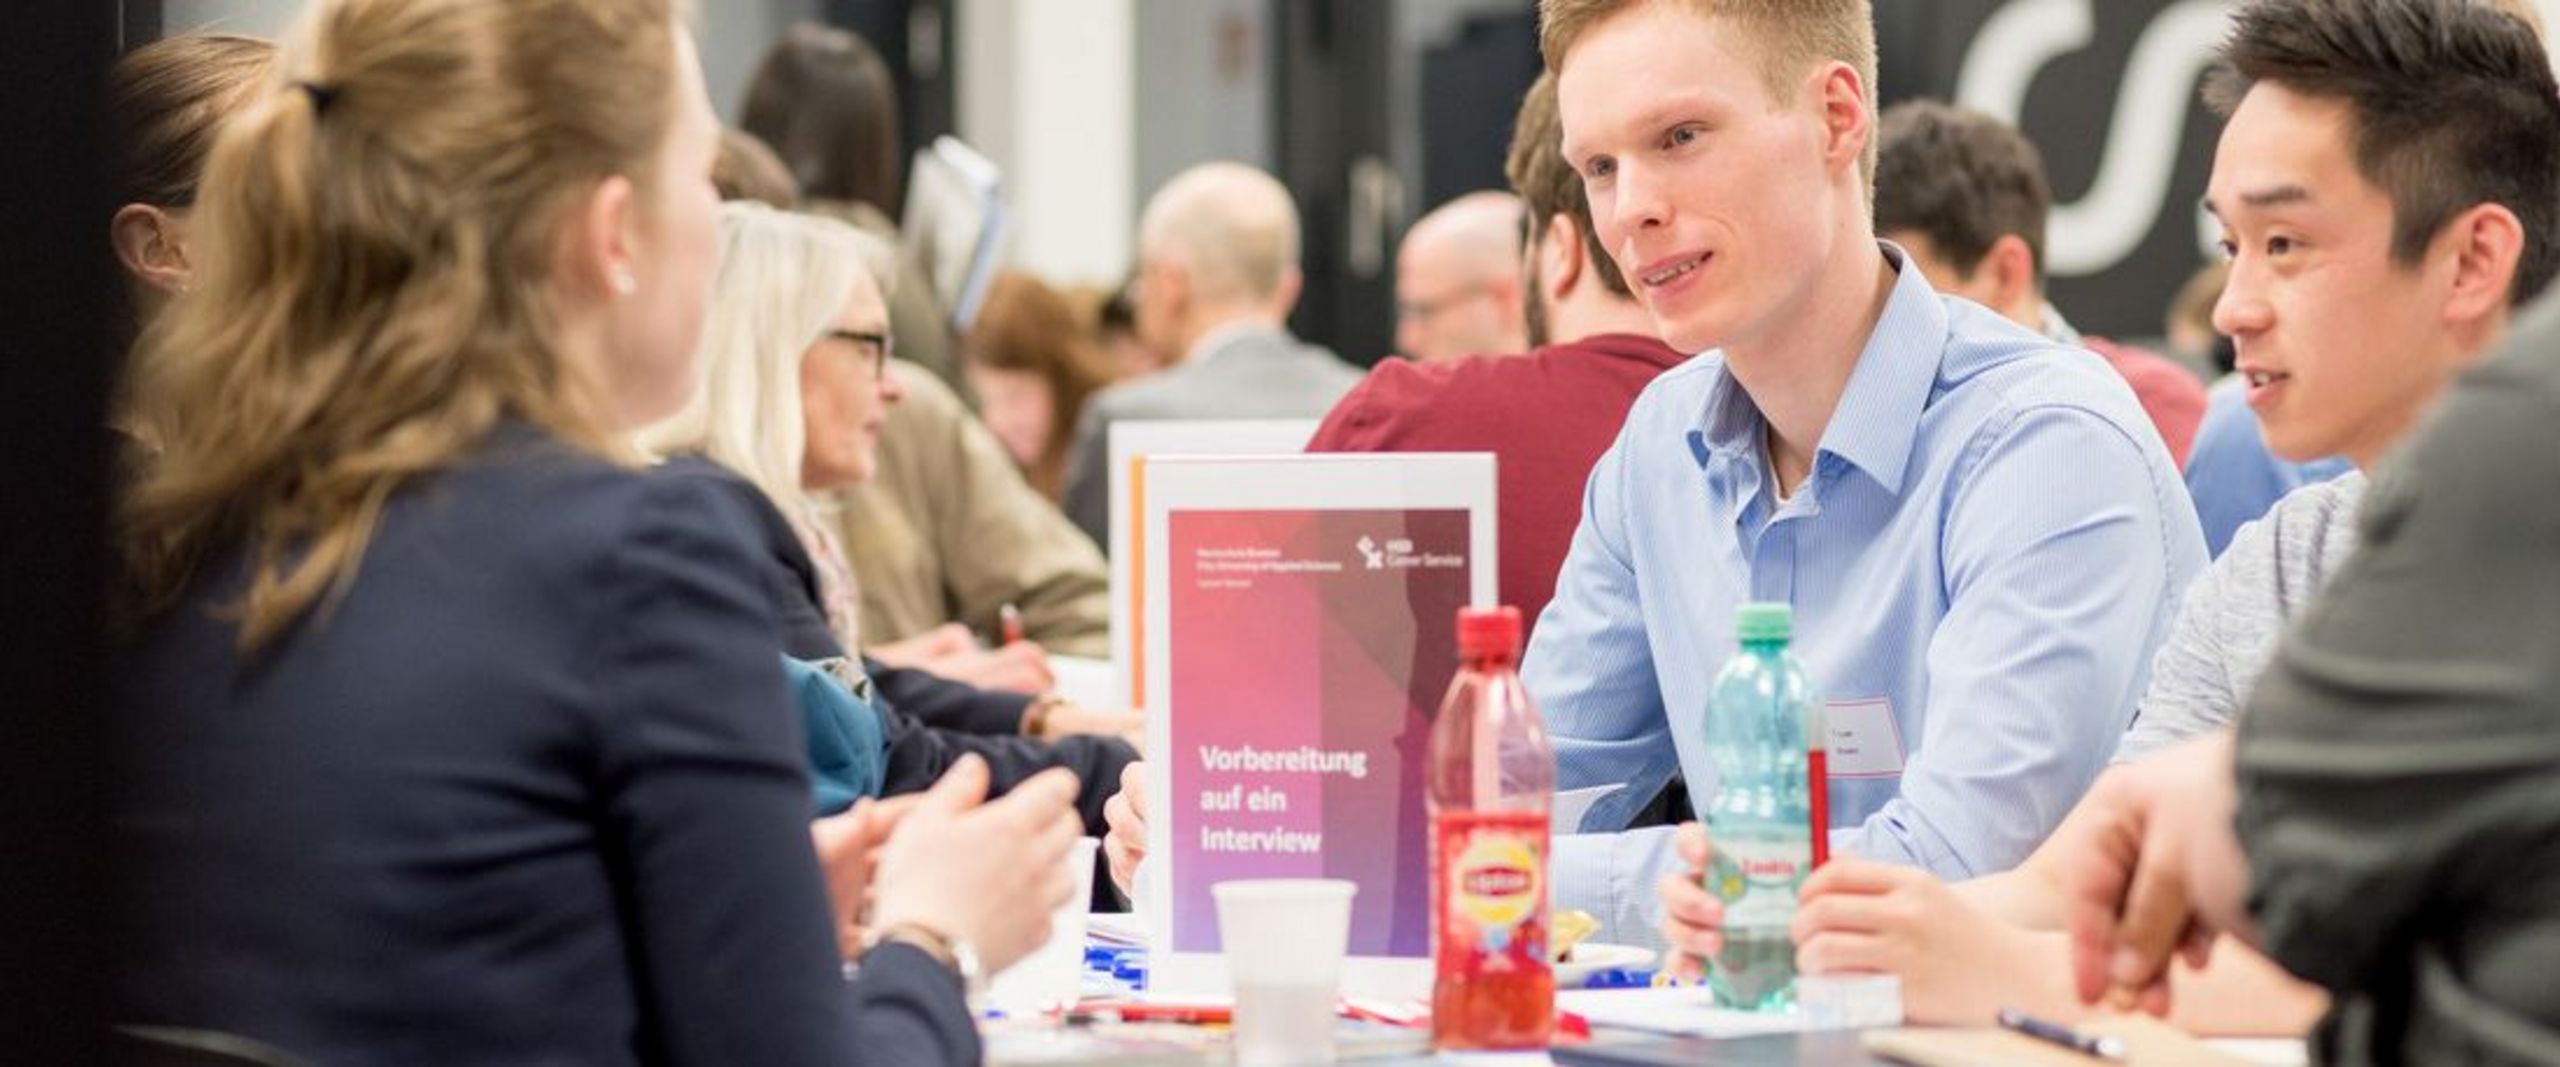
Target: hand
{"points": [[1693, 919], [1958, 965], [1070, 719], [1126, 812], [1021, 667], [948, 639], [848, 853], [2154, 870], [987, 872]]}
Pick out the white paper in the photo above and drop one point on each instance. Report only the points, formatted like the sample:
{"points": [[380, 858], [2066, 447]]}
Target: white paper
{"points": [[1685, 1010], [2271, 1051], [1572, 804], [1864, 741]]}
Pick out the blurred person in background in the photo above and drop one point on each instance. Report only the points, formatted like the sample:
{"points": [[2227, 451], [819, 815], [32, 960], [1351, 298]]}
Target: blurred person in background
{"points": [[824, 101], [1115, 327], [1217, 277], [1458, 290], [748, 170], [1033, 364], [1965, 195]]}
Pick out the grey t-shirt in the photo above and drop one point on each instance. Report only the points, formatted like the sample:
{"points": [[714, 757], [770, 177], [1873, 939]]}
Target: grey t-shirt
{"points": [[2226, 630]]}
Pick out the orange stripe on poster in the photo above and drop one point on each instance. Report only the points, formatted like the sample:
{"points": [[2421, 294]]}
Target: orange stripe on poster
{"points": [[1137, 582]]}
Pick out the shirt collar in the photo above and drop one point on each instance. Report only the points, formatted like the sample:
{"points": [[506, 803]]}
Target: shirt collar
{"points": [[2057, 329], [1878, 417]]}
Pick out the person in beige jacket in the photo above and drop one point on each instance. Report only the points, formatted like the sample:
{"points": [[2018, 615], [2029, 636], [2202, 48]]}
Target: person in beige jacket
{"points": [[949, 533]]}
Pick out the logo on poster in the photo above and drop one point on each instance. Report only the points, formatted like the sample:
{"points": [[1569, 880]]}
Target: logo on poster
{"points": [[1398, 554]]}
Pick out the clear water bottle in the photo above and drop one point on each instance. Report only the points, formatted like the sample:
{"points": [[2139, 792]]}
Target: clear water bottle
{"points": [[1760, 823]]}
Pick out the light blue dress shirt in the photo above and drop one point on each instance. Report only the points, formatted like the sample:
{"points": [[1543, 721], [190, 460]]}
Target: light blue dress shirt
{"points": [[2232, 476], [1992, 543]]}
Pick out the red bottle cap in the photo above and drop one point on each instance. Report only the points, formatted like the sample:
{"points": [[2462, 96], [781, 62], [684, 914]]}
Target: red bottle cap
{"points": [[1488, 632]]}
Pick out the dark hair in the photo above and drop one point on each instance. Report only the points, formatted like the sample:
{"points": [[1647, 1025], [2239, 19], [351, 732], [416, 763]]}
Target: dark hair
{"points": [[2454, 107], [747, 169], [166, 100], [1960, 178], [823, 99], [1547, 184]]}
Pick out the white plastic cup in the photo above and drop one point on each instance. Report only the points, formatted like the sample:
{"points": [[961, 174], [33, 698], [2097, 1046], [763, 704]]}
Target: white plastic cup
{"points": [[1284, 940], [1052, 977]]}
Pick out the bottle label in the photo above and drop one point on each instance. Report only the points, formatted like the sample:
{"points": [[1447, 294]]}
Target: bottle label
{"points": [[1757, 880], [1493, 887]]}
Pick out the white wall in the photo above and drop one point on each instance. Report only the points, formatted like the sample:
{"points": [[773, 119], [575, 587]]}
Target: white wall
{"points": [[1047, 91]]}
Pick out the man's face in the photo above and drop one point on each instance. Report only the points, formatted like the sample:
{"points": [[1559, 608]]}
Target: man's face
{"points": [[1714, 198], [2341, 347], [1447, 309]]}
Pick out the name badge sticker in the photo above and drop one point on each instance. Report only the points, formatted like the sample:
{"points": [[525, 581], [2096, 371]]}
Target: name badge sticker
{"points": [[1865, 741]]}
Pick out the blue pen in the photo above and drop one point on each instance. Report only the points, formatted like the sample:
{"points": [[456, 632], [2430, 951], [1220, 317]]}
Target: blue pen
{"points": [[2105, 1048]]}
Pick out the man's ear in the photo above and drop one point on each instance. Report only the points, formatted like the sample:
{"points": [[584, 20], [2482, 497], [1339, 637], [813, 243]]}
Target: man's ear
{"points": [[1285, 300], [2487, 244], [2008, 275], [1560, 258], [1848, 114], [150, 244]]}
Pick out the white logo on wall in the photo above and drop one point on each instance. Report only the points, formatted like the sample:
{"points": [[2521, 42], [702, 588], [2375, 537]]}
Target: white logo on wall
{"points": [[1370, 551]]}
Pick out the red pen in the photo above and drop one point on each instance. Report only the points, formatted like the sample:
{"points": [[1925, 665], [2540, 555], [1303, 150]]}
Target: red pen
{"points": [[1817, 784], [1195, 1014], [1009, 620]]}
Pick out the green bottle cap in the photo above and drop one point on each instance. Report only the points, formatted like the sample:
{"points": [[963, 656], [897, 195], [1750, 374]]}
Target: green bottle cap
{"points": [[1764, 621]]}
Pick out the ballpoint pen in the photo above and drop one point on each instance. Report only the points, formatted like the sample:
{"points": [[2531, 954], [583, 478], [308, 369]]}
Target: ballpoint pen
{"points": [[2105, 1048]]}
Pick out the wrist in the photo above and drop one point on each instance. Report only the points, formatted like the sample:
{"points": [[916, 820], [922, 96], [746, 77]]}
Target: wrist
{"points": [[953, 953], [1039, 715]]}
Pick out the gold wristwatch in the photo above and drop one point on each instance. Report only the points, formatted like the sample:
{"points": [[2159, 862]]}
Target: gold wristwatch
{"points": [[955, 953]]}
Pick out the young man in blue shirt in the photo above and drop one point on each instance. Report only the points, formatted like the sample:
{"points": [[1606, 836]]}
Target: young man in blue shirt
{"points": [[1981, 535]]}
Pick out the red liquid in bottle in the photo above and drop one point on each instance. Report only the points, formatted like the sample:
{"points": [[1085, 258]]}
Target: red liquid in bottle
{"points": [[1492, 777]]}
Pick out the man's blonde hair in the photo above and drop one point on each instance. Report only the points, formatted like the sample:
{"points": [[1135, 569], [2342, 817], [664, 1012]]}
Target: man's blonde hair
{"points": [[1788, 37]]}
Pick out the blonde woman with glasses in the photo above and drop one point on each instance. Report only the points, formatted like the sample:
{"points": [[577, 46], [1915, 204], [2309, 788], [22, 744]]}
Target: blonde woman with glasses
{"points": [[794, 391], [453, 736]]}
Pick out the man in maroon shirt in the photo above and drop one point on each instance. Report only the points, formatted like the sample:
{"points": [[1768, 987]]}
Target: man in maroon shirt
{"points": [[1547, 415], [1965, 195]]}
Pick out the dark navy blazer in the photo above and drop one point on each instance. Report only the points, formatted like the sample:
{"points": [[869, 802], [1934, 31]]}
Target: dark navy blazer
{"points": [[530, 791]]}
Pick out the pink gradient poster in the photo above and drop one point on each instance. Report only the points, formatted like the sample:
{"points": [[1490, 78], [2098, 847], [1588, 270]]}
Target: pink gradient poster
{"points": [[1307, 653]]}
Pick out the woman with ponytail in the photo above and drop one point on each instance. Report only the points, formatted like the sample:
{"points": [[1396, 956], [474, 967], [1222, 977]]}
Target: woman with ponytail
{"points": [[454, 738]]}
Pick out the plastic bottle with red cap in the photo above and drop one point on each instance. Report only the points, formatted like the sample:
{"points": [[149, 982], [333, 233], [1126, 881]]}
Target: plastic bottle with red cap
{"points": [[1492, 775]]}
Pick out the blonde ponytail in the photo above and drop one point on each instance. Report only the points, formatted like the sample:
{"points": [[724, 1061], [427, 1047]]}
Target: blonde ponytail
{"points": [[372, 293]]}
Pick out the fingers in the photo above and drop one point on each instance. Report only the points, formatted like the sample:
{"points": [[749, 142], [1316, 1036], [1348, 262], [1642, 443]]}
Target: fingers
{"points": [[1691, 839], [2101, 863], [1844, 952], [960, 789], [1848, 874], [2155, 918], [1133, 785], [1872, 913], [1693, 919]]}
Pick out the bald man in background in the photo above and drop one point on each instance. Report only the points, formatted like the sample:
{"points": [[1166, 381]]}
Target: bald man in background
{"points": [[1217, 276], [1458, 290]]}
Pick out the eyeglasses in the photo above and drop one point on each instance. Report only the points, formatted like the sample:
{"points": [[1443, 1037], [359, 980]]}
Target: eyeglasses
{"points": [[1425, 310], [882, 346]]}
